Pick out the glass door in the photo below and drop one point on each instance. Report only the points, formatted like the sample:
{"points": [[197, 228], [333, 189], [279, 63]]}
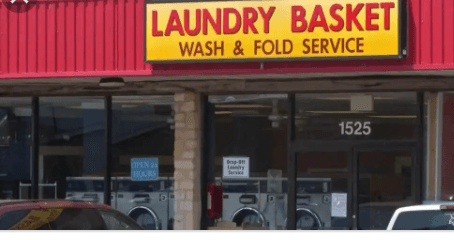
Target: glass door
{"points": [[385, 181], [324, 192]]}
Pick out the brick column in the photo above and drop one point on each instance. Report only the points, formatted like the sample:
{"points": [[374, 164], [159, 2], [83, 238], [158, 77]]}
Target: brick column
{"points": [[187, 154]]}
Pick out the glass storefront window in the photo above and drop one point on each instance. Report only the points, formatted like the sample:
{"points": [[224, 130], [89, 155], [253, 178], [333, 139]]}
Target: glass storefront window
{"points": [[253, 129], [72, 161], [71, 152], [15, 142], [143, 129], [347, 153], [366, 116]]}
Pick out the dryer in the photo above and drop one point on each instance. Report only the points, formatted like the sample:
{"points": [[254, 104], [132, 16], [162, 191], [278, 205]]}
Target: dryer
{"points": [[268, 203], [171, 207], [242, 202], [313, 204], [147, 202]]}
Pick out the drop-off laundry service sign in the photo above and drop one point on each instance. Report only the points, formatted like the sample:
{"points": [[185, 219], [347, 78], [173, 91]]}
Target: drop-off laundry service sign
{"points": [[235, 167], [144, 169], [285, 29]]}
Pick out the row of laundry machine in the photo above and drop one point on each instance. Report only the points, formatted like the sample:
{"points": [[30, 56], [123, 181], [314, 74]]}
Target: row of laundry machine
{"points": [[264, 202], [254, 200], [150, 203]]}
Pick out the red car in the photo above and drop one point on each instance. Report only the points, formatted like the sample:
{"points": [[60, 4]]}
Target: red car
{"points": [[62, 215]]}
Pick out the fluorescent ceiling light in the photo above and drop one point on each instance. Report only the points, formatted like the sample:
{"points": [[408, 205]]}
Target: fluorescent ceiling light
{"points": [[222, 112], [296, 117], [395, 116], [348, 98], [242, 106], [89, 105], [145, 101], [337, 112], [22, 112], [128, 106]]}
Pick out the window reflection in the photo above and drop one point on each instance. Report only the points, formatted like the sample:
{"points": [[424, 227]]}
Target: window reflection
{"points": [[365, 116], [143, 128], [71, 145], [15, 142], [255, 127]]}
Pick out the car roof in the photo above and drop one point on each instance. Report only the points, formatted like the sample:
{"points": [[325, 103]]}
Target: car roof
{"points": [[427, 206], [424, 207], [14, 205]]}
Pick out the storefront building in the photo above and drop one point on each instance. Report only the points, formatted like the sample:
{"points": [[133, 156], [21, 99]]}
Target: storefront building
{"points": [[313, 116]]}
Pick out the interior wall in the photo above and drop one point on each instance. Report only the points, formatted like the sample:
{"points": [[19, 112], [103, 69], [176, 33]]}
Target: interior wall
{"points": [[447, 151]]}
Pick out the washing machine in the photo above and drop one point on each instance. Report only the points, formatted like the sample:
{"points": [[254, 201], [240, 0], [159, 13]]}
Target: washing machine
{"points": [[243, 202], [313, 204], [147, 202], [269, 199], [170, 188], [88, 189]]}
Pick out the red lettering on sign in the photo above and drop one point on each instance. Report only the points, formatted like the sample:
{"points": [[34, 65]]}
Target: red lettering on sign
{"points": [[216, 25], [174, 24], [299, 23], [226, 28], [337, 17], [352, 16], [387, 8], [249, 20], [371, 16], [230, 20], [196, 31], [266, 18], [318, 13], [154, 29]]}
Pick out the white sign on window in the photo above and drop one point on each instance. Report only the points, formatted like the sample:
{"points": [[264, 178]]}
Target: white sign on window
{"points": [[235, 167], [339, 205]]}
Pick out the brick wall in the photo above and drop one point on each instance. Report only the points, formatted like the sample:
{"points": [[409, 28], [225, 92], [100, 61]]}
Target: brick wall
{"points": [[187, 155]]}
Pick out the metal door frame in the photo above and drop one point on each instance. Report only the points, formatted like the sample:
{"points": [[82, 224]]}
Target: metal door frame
{"points": [[330, 146], [352, 146]]}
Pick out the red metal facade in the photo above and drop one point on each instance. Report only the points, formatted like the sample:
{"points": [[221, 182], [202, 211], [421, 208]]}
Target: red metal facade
{"points": [[70, 38]]}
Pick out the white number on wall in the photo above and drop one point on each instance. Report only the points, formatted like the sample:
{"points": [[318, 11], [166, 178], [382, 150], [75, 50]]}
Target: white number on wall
{"points": [[355, 128]]}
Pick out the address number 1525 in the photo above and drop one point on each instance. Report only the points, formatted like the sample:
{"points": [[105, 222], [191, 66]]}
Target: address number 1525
{"points": [[355, 128]]}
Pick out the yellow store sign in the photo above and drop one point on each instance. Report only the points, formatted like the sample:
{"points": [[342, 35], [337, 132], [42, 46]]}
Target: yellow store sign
{"points": [[280, 29]]}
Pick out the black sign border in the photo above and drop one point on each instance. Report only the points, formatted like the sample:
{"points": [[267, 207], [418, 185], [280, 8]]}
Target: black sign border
{"points": [[402, 41]]}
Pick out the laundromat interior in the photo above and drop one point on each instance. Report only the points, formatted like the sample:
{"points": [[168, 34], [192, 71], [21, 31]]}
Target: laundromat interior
{"points": [[364, 156]]}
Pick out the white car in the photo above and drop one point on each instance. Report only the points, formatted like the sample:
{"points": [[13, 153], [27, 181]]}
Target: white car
{"points": [[423, 217]]}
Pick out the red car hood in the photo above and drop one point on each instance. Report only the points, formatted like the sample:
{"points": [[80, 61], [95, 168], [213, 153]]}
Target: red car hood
{"points": [[13, 205]]}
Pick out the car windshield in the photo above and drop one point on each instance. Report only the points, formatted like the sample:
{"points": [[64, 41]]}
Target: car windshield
{"points": [[425, 220], [67, 219]]}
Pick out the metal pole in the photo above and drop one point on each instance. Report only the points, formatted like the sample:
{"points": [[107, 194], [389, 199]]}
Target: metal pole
{"points": [[418, 159], [208, 163], [291, 165], [108, 149], [35, 149]]}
